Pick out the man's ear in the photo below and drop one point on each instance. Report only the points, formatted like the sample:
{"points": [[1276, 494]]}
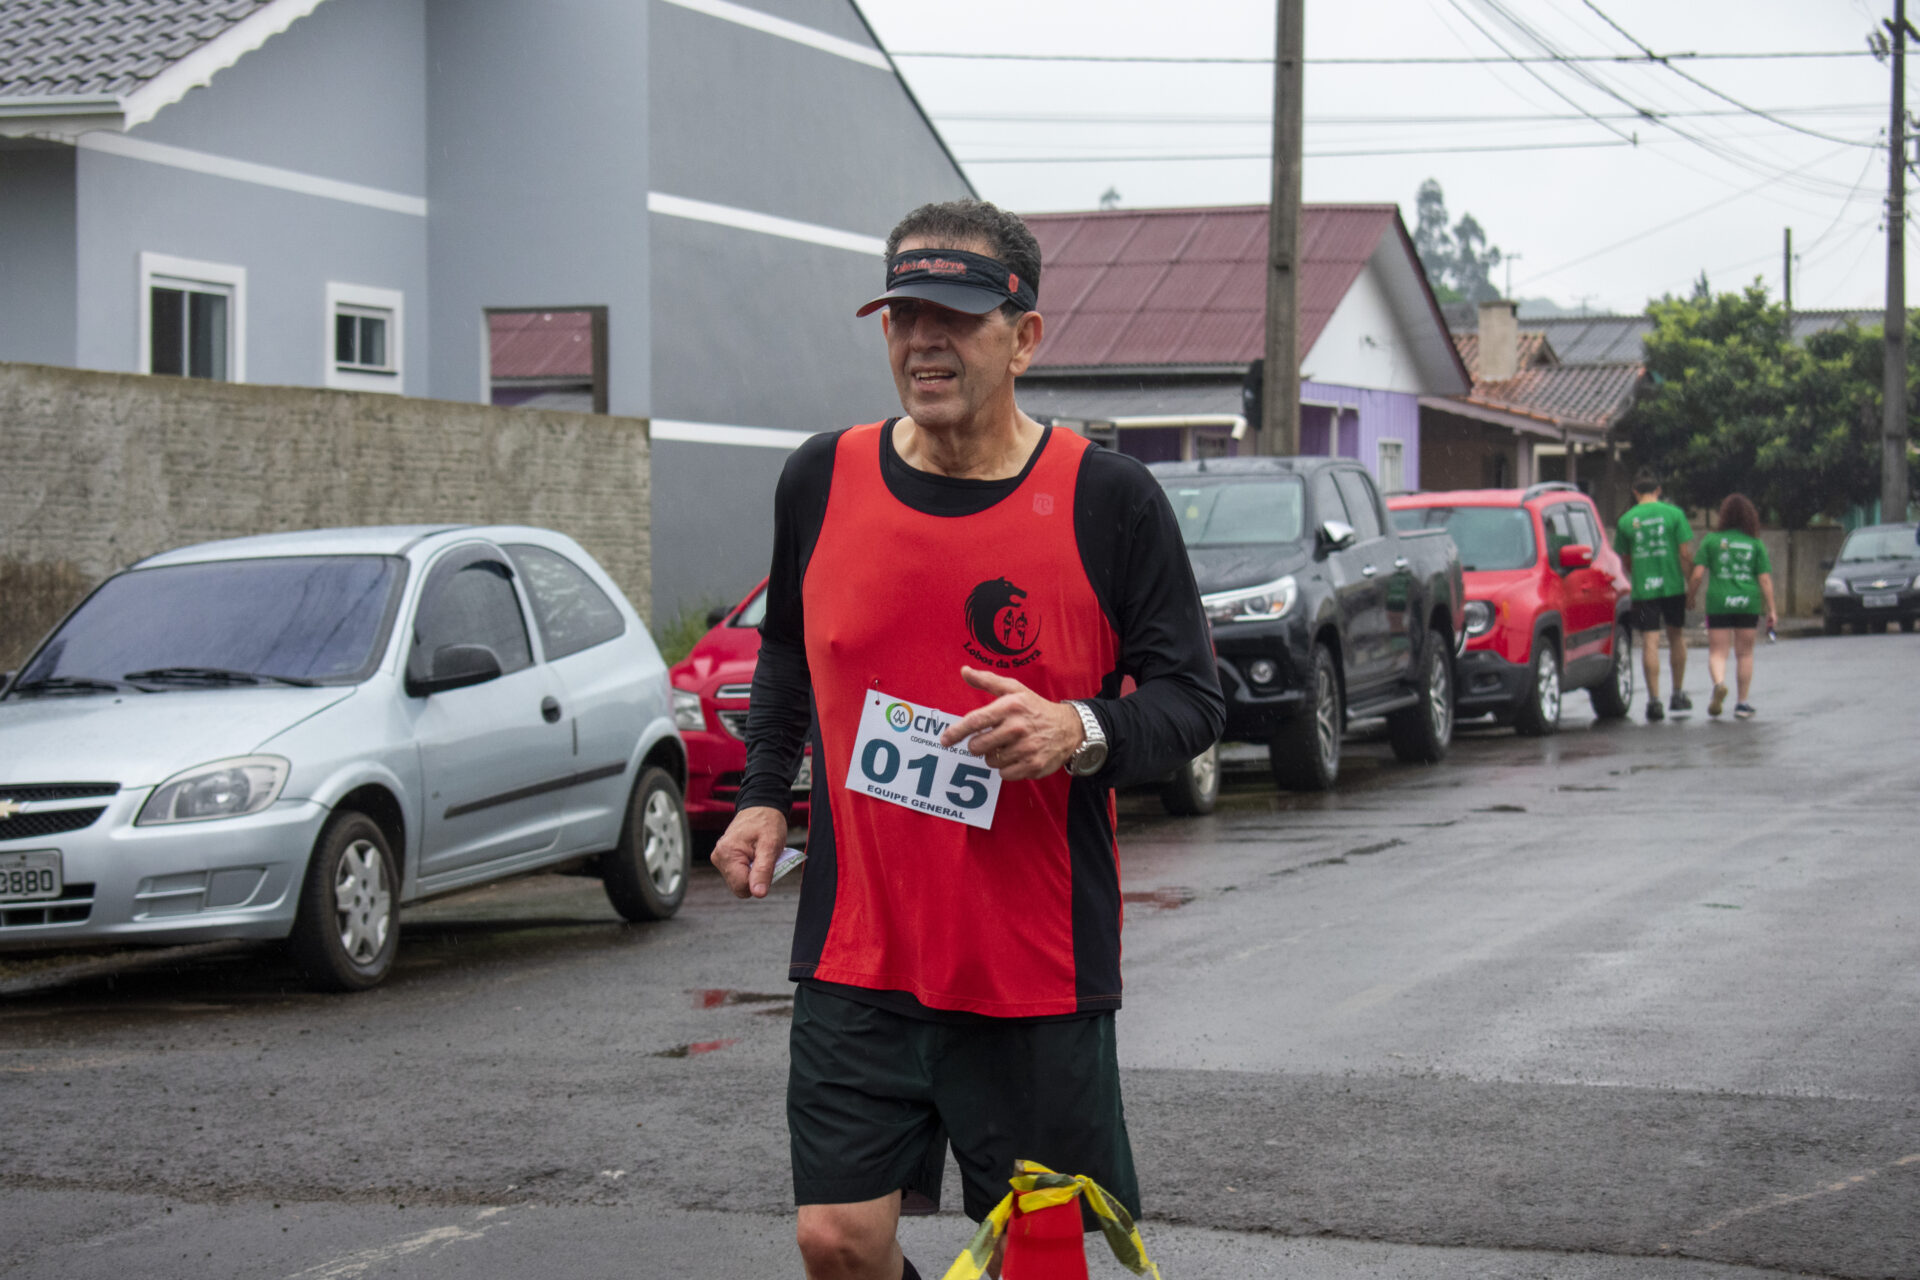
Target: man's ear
{"points": [[886, 322], [1026, 340]]}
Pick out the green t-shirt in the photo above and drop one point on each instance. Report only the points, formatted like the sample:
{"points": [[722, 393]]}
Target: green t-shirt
{"points": [[1653, 533], [1734, 564]]}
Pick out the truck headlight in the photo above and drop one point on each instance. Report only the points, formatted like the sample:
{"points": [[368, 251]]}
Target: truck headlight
{"points": [[1836, 586], [219, 789], [1479, 617], [1252, 604], [686, 710]]}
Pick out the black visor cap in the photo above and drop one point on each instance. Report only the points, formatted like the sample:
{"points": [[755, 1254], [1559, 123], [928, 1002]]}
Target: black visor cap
{"points": [[953, 278]]}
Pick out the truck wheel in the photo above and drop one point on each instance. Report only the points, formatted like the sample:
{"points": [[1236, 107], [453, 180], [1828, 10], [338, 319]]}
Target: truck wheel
{"points": [[1194, 786], [1539, 713], [1420, 733], [1305, 751], [1612, 698], [645, 875]]}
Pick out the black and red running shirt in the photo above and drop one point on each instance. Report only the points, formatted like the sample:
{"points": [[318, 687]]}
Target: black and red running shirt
{"points": [[1066, 577]]}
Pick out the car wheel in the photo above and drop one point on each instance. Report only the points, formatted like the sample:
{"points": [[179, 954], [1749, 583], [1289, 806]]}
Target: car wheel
{"points": [[1539, 714], [645, 875], [1305, 752], [1612, 698], [1906, 625], [1195, 785], [1420, 733], [1831, 625], [347, 927]]}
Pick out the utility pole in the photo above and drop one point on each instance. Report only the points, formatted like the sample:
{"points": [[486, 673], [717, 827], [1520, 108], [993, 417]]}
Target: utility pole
{"points": [[1786, 280], [1509, 260], [1280, 398], [1893, 422]]}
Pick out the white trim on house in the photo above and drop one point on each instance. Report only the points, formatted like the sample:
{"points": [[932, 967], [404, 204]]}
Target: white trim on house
{"points": [[721, 215], [260, 175], [364, 298], [720, 433], [217, 54], [232, 280], [794, 31], [1383, 448]]}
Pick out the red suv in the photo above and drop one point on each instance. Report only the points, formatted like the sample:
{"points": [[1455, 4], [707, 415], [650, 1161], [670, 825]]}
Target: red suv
{"points": [[1546, 602], [711, 687]]}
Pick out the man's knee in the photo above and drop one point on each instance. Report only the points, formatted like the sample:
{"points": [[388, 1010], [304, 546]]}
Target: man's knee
{"points": [[844, 1240]]}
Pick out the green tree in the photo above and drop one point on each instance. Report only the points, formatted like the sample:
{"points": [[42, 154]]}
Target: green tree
{"points": [[1458, 260], [1735, 406]]}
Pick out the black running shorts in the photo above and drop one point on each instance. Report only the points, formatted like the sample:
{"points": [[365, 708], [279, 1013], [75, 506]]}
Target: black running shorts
{"points": [[874, 1097], [1731, 621], [1657, 612]]}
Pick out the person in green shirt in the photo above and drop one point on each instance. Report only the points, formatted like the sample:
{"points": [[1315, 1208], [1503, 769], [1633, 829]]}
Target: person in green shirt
{"points": [[1733, 566], [1653, 538]]}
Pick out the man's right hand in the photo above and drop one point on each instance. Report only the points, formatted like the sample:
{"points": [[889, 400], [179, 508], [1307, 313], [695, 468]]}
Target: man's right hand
{"points": [[746, 853]]}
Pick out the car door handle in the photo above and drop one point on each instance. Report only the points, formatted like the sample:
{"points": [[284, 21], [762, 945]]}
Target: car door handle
{"points": [[1367, 571], [550, 710]]}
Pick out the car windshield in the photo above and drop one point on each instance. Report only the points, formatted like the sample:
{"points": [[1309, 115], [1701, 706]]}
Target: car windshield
{"points": [[753, 612], [1229, 513], [1879, 544], [1488, 537], [297, 620]]}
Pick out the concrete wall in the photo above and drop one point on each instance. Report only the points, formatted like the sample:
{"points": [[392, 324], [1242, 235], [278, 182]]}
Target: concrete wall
{"points": [[36, 252], [104, 469], [1799, 558]]}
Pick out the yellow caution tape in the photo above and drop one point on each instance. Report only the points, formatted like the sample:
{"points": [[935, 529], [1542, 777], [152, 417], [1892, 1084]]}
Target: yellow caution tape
{"points": [[1037, 1187]]}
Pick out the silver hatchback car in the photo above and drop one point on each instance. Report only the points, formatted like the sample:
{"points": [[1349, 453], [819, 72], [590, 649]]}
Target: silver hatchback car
{"points": [[289, 736]]}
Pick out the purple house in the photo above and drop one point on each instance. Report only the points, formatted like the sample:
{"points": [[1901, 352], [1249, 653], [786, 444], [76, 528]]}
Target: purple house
{"points": [[1152, 317]]}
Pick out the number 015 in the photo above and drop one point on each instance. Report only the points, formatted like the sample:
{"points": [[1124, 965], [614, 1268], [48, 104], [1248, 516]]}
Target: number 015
{"points": [[964, 783]]}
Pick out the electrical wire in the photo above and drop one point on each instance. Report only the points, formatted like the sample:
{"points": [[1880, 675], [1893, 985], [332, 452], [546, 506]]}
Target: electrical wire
{"points": [[1266, 119], [1435, 60], [1549, 85], [1268, 155]]}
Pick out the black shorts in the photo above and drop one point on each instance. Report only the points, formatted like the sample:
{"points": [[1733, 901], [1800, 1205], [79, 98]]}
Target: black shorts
{"points": [[873, 1099], [1657, 612], [1731, 621]]}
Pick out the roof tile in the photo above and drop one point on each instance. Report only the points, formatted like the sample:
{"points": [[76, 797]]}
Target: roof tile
{"points": [[55, 47]]}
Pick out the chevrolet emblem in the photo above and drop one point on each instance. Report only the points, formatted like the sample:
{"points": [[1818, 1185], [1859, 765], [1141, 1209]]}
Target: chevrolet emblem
{"points": [[8, 808]]}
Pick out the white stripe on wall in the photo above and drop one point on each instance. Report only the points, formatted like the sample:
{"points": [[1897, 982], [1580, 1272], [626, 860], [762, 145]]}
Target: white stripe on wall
{"points": [[745, 17], [719, 433], [764, 223], [260, 175]]}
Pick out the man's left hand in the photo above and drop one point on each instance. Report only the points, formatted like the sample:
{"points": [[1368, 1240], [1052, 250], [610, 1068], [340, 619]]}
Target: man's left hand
{"points": [[1019, 733]]}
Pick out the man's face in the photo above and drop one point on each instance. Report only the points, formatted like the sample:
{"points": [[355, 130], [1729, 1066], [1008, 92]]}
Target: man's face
{"points": [[948, 365]]}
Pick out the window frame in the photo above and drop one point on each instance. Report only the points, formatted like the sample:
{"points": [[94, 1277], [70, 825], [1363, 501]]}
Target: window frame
{"points": [[164, 270], [1399, 452], [359, 299]]}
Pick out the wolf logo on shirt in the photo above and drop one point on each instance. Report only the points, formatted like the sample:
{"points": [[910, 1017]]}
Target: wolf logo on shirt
{"points": [[1003, 628]]}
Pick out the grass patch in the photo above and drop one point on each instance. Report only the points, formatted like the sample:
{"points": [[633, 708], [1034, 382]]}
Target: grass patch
{"points": [[678, 634]]}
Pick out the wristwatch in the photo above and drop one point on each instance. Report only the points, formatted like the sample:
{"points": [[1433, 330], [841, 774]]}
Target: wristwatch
{"points": [[1090, 756]]}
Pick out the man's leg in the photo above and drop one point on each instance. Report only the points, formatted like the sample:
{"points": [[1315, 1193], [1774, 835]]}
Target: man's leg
{"points": [[852, 1241], [1650, 662], [1677, 656]]}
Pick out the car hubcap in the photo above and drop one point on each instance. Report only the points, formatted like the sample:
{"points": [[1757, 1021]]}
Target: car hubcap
{"points": [[362, 902], [1440, 700], [666, 850], [1326, 716], [1623, 667], [1549, 688], [1206, 771]]}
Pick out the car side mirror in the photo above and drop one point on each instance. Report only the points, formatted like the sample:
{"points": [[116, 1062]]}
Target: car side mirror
{"points": [[1576, 556], [1336, 535], [717, 615], [456, 666]]}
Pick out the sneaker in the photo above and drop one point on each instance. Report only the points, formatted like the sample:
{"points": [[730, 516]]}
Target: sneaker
{"points": [[1743, 711], [1655, 712], [1680, 702], [1719, 700]]}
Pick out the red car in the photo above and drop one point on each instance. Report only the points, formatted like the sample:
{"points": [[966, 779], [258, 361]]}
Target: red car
{"points": [[711, 688], [1546, 602]]}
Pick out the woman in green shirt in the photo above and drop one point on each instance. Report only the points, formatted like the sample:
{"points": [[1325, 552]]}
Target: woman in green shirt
{"points": [[1733, 565]]}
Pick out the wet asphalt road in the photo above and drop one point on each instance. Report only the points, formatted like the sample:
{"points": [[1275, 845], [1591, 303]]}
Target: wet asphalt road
{"points": [[1638, 1000]]}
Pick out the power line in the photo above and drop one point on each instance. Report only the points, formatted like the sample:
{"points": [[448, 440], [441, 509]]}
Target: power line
{"points": [[1311, 155], [1437, 60], [1459, 5], [1067, 117]]}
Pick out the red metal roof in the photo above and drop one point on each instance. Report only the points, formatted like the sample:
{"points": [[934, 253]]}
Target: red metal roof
{"points": [[1187, 286], [541, 344]]}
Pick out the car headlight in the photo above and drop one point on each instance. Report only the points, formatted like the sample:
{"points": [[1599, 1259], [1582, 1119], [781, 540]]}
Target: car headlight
{"points": [[686, 710], [219, 789], [1836, 586], [1252, 604], [1479, 617]]}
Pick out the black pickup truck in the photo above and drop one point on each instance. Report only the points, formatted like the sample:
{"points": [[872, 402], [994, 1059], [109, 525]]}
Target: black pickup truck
{"points": [[1322, 612]]}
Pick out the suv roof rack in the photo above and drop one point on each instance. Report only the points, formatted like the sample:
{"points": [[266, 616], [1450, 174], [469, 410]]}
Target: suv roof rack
{"points": [[1549, 486]]}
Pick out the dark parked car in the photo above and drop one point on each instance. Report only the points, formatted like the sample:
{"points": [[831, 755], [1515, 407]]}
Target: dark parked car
{"points": [[1875, 581], [1322, 612]]}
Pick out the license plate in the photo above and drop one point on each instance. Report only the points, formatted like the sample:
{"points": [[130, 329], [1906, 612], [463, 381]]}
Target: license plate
{"points": [[27, 877], [803, 781], [1890, 600]]}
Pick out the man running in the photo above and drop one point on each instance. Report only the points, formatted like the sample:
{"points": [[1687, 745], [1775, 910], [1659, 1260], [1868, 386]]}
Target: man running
{"points": [[956, 595], [1654, 540]]}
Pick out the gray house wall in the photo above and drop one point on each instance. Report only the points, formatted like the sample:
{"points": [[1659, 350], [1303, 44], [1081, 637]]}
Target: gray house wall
{"points": [[753, 329], [537, 177], [37, 252], [352, 68]]}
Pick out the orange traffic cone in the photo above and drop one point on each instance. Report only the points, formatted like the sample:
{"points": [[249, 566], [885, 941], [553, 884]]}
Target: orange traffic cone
{"points": [[1045, 1244]]}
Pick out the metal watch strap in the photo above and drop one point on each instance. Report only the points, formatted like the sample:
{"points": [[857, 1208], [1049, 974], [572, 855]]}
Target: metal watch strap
{"points": [[1096, 737]]}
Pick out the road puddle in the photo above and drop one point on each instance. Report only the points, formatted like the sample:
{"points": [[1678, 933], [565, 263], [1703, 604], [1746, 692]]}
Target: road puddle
{"points": [[1168, 899], [695, 1049]]}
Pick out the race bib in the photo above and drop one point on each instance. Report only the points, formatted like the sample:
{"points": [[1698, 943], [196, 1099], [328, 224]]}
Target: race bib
{"points": [[898, 758]]}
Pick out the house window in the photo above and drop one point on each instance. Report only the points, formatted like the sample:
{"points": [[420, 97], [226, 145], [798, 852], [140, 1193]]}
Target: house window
{"points": [[364, 338], [192, 318], [1392, 468], [546, 358]]}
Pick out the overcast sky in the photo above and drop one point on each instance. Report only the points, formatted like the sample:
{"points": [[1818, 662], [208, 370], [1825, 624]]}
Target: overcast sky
{"points": [[1728, 183]]}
